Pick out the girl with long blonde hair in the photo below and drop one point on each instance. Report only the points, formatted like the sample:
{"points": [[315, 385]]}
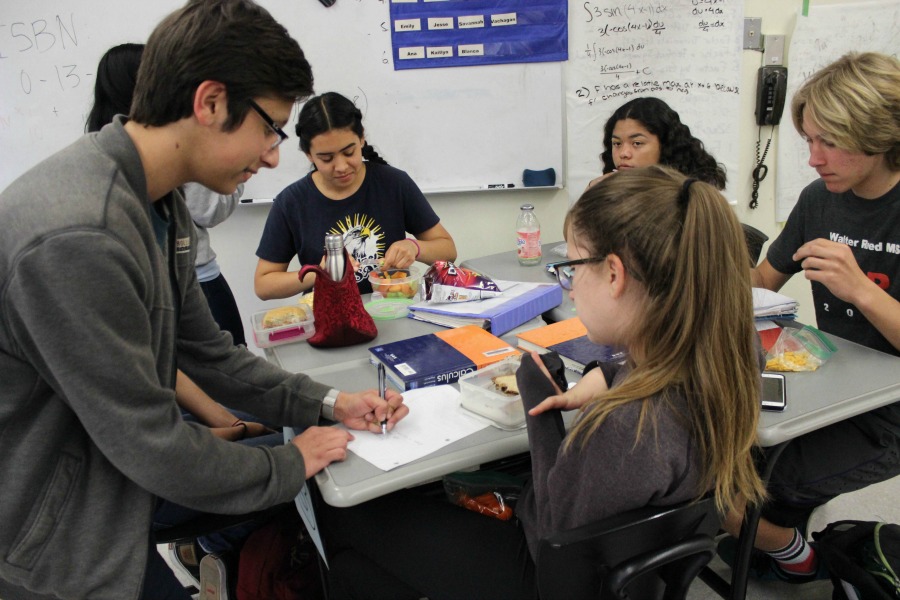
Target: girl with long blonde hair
{"points": [[657, 265]]}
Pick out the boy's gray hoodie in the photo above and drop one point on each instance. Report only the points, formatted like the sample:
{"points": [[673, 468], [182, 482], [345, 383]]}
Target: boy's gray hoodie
{"points": [[90, 336]]}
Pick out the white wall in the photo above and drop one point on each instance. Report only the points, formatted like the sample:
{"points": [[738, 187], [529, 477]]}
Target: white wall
{"points": [[483, 222]]}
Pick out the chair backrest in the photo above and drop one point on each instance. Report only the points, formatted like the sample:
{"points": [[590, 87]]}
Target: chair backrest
{"points": [[651, 552], [755, 240]]}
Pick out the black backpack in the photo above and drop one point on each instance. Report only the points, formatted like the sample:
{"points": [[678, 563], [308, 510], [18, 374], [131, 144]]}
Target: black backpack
{"points": [[864, 554]]}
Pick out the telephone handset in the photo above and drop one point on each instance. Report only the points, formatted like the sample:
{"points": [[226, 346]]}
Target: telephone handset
{"points": [[771, 88]]}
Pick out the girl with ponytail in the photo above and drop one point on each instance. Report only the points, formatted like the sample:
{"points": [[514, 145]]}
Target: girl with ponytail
{"points": [[656, 265], [350, 191]]}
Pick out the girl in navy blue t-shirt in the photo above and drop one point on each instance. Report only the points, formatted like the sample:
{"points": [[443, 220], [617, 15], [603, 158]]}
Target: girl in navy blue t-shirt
{"points": [[351, 191]]}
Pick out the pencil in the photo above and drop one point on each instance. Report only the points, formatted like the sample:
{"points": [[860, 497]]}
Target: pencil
{"points": [[382, 390]]}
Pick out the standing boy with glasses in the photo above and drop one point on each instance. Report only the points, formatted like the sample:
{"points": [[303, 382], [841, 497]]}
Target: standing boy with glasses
{"points": [[100, 305]]}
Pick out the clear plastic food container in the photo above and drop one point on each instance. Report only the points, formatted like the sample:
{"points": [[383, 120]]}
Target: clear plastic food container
{"points": [[283, 325], [393, 290], [402, 284], [481, 392]]}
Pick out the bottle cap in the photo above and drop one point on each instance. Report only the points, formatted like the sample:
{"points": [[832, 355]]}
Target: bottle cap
{"points": [[527, 207], [334, 241]]}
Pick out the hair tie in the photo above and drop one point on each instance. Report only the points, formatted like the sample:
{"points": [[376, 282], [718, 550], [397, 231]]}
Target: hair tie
{"points": [[685, 195], [418, 249]]}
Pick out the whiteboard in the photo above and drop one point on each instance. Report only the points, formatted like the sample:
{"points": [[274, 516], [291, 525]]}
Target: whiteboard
{"points": [[451, 129], [826, 34], [684, 52]]}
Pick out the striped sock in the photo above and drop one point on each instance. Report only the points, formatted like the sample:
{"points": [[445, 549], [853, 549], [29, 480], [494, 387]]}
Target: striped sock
{"points": [[797, 558]]}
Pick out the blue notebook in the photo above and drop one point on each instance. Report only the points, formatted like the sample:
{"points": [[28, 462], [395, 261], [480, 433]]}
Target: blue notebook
{"points": [[569, 339], [441, 357], [519, 303]]}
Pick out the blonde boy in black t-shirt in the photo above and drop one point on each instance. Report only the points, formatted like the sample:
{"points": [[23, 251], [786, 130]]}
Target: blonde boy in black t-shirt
{"points": [[844, 234]]}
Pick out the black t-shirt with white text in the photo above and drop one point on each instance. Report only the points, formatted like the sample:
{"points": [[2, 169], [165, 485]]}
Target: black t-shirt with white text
{"points": [[872, 230]]}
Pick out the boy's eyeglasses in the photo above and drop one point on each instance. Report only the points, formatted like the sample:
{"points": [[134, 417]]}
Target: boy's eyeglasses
{"points": [[271, 123], [565, 270]]}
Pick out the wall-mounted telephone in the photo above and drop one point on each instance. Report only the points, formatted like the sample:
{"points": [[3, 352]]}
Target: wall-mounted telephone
{"points": [[771, 87]]}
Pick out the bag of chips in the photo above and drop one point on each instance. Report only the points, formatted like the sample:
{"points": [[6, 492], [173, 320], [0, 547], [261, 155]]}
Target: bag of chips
{"points": [[490, 493], [445, 282]]}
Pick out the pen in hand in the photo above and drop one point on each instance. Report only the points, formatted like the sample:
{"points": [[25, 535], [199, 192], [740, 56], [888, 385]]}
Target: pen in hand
{"points": [[382, 390]]}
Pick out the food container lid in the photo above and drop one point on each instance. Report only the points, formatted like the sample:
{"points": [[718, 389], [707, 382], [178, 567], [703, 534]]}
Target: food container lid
{"points": [[385, 309]]}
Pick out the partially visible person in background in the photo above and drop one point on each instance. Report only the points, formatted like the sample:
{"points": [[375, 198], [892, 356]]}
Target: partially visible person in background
{"points": [[208, 209], [646, 131], [113, 89]]}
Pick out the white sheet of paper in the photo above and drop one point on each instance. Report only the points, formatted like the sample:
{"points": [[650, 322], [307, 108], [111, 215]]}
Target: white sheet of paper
{"points": [[434, 421]]}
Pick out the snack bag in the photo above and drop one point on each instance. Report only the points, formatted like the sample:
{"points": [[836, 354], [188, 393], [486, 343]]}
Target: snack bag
{"points": [[445, 282], [799, 350], [490, 493]]}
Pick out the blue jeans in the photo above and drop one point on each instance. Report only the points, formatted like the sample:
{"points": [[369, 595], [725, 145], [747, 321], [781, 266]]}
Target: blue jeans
{"points": [[169, 514]]}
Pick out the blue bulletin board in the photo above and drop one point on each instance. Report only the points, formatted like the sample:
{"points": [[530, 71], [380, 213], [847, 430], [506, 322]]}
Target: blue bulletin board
{"points": [[463, 33]]}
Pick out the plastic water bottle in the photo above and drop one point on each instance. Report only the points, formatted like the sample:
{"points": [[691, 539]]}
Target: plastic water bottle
{"points": [[528, 237], [334, 256]]}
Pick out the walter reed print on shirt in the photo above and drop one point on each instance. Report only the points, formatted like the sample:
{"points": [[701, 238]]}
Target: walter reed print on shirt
{"points": [[881, 279], [363, 240], [862, 247]]}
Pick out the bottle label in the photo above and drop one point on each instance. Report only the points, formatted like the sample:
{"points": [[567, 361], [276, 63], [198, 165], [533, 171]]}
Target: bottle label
{"points": [[528, 244]]}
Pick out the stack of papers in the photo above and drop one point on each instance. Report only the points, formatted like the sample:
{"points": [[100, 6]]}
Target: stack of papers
{"points": [[768, 304]]}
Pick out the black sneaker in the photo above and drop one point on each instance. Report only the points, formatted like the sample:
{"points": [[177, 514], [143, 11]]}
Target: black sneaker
{"points": [[186, 555]]}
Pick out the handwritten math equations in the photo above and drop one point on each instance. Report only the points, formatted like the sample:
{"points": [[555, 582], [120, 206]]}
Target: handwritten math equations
{"points": [[685, 52]]}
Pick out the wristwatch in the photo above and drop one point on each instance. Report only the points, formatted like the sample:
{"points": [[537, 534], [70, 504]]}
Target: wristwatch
{"points": [[327, 410]]}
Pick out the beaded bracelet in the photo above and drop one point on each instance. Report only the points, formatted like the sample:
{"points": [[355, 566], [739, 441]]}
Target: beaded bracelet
{"points": [[418, 249]]}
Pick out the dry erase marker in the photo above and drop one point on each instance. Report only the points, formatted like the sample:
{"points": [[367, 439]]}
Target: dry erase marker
{"points": [[382, 390], [498, 186]]}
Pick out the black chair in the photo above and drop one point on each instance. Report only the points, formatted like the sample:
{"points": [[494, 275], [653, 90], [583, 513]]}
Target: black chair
{"points": [[648, 553], [755, 240]]}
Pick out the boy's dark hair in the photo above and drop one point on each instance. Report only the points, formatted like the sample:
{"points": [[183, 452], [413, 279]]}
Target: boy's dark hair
{"points": [[678, 148], [234, 42], [332, 111]]}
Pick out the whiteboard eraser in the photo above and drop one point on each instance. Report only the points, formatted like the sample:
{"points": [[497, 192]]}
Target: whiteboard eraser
{"points": [[545, 177]]}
